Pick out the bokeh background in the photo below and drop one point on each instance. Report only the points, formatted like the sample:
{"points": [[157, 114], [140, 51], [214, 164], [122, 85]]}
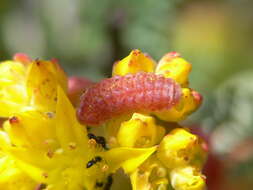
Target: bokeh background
{"points": [[216, 36]]}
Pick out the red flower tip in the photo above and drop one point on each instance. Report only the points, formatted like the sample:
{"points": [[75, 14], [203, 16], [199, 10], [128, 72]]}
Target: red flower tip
{"points": [[21, 57]]}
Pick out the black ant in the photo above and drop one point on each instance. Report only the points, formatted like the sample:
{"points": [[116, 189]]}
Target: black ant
{"points": [[99, 184], [99, 139], [108, 183], [93, 161], [41, 186]]}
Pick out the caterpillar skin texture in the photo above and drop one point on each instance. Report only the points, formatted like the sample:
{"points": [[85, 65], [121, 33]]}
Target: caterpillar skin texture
{"points": [[141, 92]]}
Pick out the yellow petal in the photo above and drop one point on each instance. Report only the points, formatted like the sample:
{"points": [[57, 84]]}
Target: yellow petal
{"points": [[12, 87], [24, 83], [20, 158], [42, 85], [112, 128], [8, 108], [31, 128], [16, 132], [12, 73], [31, 156], [4, 140], [35, 173], [173, 66], [11, 177], [127, 158], [135, 62], [68, 129], [57, 71]]}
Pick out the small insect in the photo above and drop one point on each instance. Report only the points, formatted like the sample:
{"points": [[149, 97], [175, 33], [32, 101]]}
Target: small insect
{"points": [[99, 184], [97, 159], [41, 186], [93, 161], [108, 183], [91, 136], [140, 92], [90, 163], [99, 139], [13, 120]]}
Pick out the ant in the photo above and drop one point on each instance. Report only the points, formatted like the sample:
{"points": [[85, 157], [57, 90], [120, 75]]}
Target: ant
{"points": [[99, 139], [93, 161]]}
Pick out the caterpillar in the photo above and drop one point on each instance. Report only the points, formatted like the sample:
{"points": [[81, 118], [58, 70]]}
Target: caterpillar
{"points": [[140, 92]]}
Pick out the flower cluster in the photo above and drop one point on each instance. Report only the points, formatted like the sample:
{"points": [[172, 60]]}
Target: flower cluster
{"points": [[45, 143], [180, 155]]}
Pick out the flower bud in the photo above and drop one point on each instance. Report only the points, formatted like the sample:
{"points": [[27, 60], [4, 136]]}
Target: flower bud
{"points": [[173, 66], [135, 62], [180, 148], [22, 58], [150, 175], [187, 178], [140, 131]]}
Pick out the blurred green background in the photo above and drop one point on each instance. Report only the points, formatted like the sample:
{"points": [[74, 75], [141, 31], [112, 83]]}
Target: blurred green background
{"points": [[87, 36]]}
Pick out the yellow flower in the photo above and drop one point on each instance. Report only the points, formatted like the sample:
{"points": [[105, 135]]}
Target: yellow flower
{"points": [[187, 178], [177, 149], [158, 171], [180, 155], [180, 148], [140, 131], [152, 174], [171, 66], [27, 85], [43, 145], [53, 149]]}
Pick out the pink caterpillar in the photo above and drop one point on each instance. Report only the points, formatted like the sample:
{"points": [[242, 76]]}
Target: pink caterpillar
{"points": [[141, 92]]}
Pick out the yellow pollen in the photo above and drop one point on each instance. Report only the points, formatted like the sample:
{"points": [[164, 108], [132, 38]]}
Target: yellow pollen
{"points": [[72, 145], [50, 153], [45, 175], [92, 143], [105, 168]]}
